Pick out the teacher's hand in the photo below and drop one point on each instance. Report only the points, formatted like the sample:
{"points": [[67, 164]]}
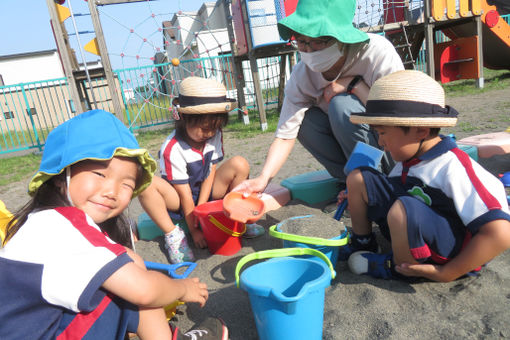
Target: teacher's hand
{"points": [[257, 184], [336, 87]]}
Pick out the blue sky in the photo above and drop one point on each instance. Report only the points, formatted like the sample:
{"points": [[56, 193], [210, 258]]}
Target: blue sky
{"points": [[25, 26]]}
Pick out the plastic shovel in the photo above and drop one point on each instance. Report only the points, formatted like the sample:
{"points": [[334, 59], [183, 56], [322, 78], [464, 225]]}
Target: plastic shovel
{"points": [[171, 269]]}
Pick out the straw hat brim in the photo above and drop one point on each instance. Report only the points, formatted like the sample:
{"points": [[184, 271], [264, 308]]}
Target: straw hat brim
{"points": [[404, 121], [406, 98], [223, 107]]}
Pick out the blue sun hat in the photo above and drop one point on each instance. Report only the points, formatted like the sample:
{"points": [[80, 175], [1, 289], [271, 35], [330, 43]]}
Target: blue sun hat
{"points": [[319, 18], [97, 135]]}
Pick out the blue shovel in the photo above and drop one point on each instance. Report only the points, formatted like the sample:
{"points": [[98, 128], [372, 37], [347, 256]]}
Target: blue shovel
{"points": [[171, 269]]}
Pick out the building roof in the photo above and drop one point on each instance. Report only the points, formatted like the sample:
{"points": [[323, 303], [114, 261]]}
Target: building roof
{"points": [[27, 54]]}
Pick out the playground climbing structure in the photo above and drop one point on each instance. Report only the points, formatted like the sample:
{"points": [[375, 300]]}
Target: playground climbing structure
{"points": [[458, 37]]}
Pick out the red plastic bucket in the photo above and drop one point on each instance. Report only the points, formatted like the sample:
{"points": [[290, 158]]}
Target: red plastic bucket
{"points": [[222, 234]]}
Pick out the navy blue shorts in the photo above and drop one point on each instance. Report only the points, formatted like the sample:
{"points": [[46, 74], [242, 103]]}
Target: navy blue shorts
{"points": [[432, 237]]}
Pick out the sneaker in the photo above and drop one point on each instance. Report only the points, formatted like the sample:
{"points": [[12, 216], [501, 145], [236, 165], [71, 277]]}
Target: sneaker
{"points": [[177, 247], [375, 265], [210, 329], [254, 230], [355, 244]]}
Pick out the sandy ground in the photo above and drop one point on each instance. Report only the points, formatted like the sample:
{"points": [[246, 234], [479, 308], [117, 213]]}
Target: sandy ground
{"points": [[356, 307]]}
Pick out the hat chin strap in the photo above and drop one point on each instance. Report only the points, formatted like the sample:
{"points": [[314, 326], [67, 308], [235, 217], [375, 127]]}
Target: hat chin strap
{"points": [[417, 151], [68, 181]]}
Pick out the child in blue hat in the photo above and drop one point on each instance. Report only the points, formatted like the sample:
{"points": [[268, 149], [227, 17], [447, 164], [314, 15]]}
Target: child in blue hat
{"points": [[68, 269]]}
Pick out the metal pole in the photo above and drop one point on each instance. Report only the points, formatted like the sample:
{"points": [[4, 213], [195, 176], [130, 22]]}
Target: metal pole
{"points": [[103, 51], [479, 33], [64, 55], [83, 56], [429, 39], [254, 68]]}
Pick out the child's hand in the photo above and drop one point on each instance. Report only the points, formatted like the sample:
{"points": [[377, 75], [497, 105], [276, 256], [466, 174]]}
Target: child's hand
{"points": [[198, 237], [429, 271], [342, 195], [196, 291]]}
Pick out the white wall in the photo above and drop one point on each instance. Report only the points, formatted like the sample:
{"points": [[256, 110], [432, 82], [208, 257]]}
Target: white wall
{"points": [[24, 68]]}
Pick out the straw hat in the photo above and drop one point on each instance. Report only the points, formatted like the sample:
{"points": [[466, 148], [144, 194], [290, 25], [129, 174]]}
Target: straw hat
{"points": [[406, 98], [319, 18], [203, 96]]}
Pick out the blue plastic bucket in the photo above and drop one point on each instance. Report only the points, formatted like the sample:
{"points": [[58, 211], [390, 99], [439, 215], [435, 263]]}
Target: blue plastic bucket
{"points": [[287, 293], [329, 247]]}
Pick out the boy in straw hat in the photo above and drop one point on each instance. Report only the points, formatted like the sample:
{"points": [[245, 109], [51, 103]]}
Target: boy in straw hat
{"points": [[445, 215], [339, 64], [188, 165]]}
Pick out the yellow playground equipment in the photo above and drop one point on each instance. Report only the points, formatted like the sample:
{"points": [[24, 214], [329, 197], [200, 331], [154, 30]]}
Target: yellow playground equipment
{"points": [[5, 217], [475, 34]]}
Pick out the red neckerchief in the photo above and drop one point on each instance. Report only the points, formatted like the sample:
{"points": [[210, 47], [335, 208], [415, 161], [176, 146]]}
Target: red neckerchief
{"points": [[406, 165]]}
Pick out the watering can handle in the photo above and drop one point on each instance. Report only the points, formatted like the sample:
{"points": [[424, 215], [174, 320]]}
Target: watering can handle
{"points": [[266, 254], [171, 268], [305, 239]]}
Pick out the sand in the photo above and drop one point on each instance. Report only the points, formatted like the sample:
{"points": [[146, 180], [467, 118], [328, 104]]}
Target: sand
{"points": [[318, 225], [356, 307]]}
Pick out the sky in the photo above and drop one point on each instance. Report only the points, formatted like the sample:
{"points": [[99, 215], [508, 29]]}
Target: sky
{"points": [[26, 27]]}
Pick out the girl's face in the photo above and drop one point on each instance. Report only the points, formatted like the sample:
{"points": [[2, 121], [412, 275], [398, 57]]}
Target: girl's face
{"points": [[199, 134], [103, 189], [401, 145]]}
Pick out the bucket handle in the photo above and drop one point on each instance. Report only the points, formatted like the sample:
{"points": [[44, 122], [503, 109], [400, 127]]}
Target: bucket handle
{"points": [[266, 254], [344, 237], [226, 230]]}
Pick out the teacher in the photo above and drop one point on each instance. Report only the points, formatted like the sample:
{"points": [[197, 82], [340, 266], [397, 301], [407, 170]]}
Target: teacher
{"points": [[338, 65]]}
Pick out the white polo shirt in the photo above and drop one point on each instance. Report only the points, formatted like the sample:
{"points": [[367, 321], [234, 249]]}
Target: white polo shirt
{"points": [[305, 87]]}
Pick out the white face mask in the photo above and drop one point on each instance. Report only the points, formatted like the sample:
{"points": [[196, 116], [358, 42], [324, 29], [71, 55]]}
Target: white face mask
{"points": [[322, 60]]}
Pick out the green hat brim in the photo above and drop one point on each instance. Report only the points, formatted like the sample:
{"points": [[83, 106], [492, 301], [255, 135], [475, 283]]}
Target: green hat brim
{"points": [[319, 18]]}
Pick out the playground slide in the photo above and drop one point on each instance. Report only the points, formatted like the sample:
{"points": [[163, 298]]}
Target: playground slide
{"points": [[496, 37]]}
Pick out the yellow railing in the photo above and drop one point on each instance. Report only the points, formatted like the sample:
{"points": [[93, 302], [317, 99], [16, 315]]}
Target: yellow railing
{"points": [[465, 8]]}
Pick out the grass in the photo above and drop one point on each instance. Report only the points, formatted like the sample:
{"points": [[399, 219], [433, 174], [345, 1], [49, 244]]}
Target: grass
{"points": [[14, 169], [494, 80], [238, 129]]}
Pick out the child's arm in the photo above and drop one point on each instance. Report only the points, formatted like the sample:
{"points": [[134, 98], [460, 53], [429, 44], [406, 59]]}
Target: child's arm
{"points": [[144, 288], [206, 187], [187, 206], [491, 240]]}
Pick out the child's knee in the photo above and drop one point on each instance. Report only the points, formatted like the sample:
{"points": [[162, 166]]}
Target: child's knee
{"points": [[240, 164], [355, 180], [397, 217]]}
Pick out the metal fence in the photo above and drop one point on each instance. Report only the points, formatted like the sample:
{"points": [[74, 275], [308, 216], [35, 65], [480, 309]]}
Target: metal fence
{"points": [[148, 91], [28, 111]]}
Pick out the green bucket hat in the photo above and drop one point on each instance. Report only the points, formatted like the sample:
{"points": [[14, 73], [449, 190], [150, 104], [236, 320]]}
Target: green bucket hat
{"points": [[318, 18]]}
